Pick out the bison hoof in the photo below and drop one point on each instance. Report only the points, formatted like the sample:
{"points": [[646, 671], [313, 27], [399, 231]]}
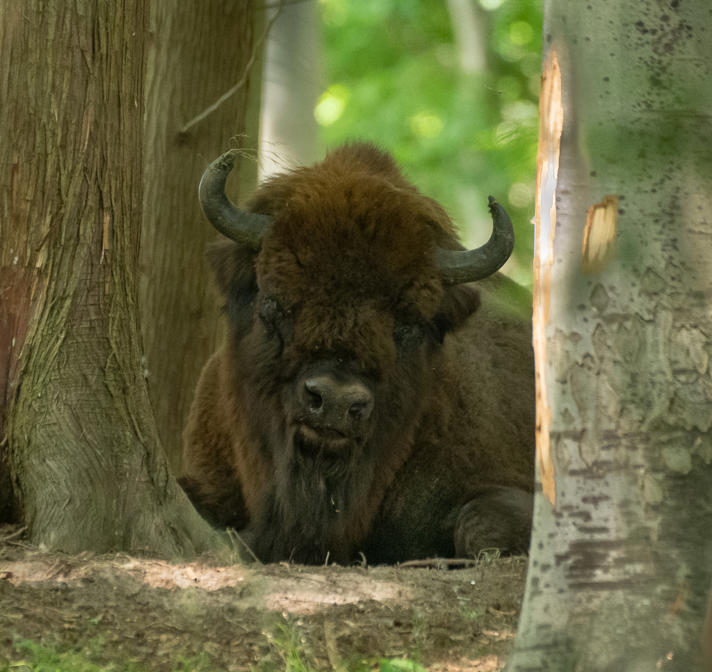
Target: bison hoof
{"points": [[496, 519]]}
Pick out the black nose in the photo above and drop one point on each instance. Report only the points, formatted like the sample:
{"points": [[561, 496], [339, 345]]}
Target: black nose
{"points": [[336, 404]]}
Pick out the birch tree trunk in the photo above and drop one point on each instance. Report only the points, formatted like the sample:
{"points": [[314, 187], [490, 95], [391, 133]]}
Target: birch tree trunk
{"points": [[621, 556], [77, 427], [291, 84], [474, 92], [199, 51]]}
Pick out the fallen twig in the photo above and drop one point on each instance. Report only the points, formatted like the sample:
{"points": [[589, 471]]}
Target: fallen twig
{"points": [[233, 534], [13, 535], [440, 563]]}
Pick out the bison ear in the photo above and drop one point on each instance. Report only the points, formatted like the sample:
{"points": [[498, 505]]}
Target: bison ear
{"points": [[233, 265], [459, 302]]}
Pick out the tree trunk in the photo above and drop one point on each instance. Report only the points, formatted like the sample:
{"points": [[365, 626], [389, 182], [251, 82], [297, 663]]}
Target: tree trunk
{"points": [[290, 86], [474, 92], [199, 51], [621, 556], [467, 27], [87, 467]]}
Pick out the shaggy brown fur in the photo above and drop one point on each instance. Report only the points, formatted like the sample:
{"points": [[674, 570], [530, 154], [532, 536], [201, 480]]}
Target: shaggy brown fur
{"points": [[345, 286]]}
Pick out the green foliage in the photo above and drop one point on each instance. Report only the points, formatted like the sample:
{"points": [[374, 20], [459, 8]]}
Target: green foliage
{"points": [[285, 640], [400, 665], [395, 78], [290, 653], [35, 657]]}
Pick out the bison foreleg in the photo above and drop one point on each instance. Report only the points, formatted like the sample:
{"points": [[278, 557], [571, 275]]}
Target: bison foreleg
{"points": [[495, 518]]}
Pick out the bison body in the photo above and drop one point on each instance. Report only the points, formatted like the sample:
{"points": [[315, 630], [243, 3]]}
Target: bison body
{"points": [[364, 401]]}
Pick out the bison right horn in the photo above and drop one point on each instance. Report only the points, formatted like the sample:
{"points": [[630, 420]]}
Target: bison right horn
{"points": [[246, 228], [458, 266]]}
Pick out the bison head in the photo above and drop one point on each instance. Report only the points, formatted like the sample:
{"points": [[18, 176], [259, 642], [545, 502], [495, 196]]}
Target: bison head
{"points": [[341, 282]]}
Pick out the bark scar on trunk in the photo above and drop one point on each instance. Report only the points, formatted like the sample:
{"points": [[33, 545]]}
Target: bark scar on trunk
{"points": [[551, 115], [599, 236]]}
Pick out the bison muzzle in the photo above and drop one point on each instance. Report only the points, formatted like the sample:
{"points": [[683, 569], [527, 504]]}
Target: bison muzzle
{"points": [[369, 398]]}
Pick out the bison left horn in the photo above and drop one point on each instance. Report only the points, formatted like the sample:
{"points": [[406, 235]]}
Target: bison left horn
{"points": [[246, 228], [458, 266]]}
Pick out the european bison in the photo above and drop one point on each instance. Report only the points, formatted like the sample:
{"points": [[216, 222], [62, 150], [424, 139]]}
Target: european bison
{"points": [[360, 403]]}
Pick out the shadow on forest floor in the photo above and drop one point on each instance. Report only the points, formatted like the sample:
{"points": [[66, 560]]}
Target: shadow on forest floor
{"points": [[119, 612]]}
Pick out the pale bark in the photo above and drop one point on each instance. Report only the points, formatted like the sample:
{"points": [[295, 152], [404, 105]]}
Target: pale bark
{"points": [[87, 467], [474, 92], [291, 84], [466, 21], [199, 50], [620, 561]]}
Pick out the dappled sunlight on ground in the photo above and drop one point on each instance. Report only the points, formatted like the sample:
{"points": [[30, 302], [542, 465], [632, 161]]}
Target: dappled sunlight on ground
{"points": [[118, 608]]}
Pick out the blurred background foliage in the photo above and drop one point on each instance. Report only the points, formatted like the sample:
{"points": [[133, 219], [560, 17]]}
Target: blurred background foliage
{"points": [[450, 88]]}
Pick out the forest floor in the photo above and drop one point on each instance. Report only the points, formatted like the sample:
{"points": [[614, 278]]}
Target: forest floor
{"points": [[88, 613]]}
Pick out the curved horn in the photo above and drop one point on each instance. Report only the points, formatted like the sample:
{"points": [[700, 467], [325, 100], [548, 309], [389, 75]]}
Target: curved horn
{"points": [[246, 228], [458, 266]]}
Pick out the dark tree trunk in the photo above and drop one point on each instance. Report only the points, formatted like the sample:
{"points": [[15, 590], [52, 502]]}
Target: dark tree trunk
{"points": [[77, 426], [199, 51], [621, 556]]}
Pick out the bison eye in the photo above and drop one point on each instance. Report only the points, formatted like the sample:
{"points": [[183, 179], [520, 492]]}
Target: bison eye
{"points": [[408, 336], [275, 318], [269, 311]]}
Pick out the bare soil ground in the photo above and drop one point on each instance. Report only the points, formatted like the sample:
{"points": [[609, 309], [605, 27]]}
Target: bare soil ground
{"points": [[120, 610]]}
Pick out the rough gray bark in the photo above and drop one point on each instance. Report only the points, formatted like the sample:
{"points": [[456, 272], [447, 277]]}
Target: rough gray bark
{"points": [[87, 467], [198, 51], [621, 556]]}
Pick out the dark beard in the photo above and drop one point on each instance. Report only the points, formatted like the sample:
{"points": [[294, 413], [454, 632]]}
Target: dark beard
{"points": [[319, 486]]}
